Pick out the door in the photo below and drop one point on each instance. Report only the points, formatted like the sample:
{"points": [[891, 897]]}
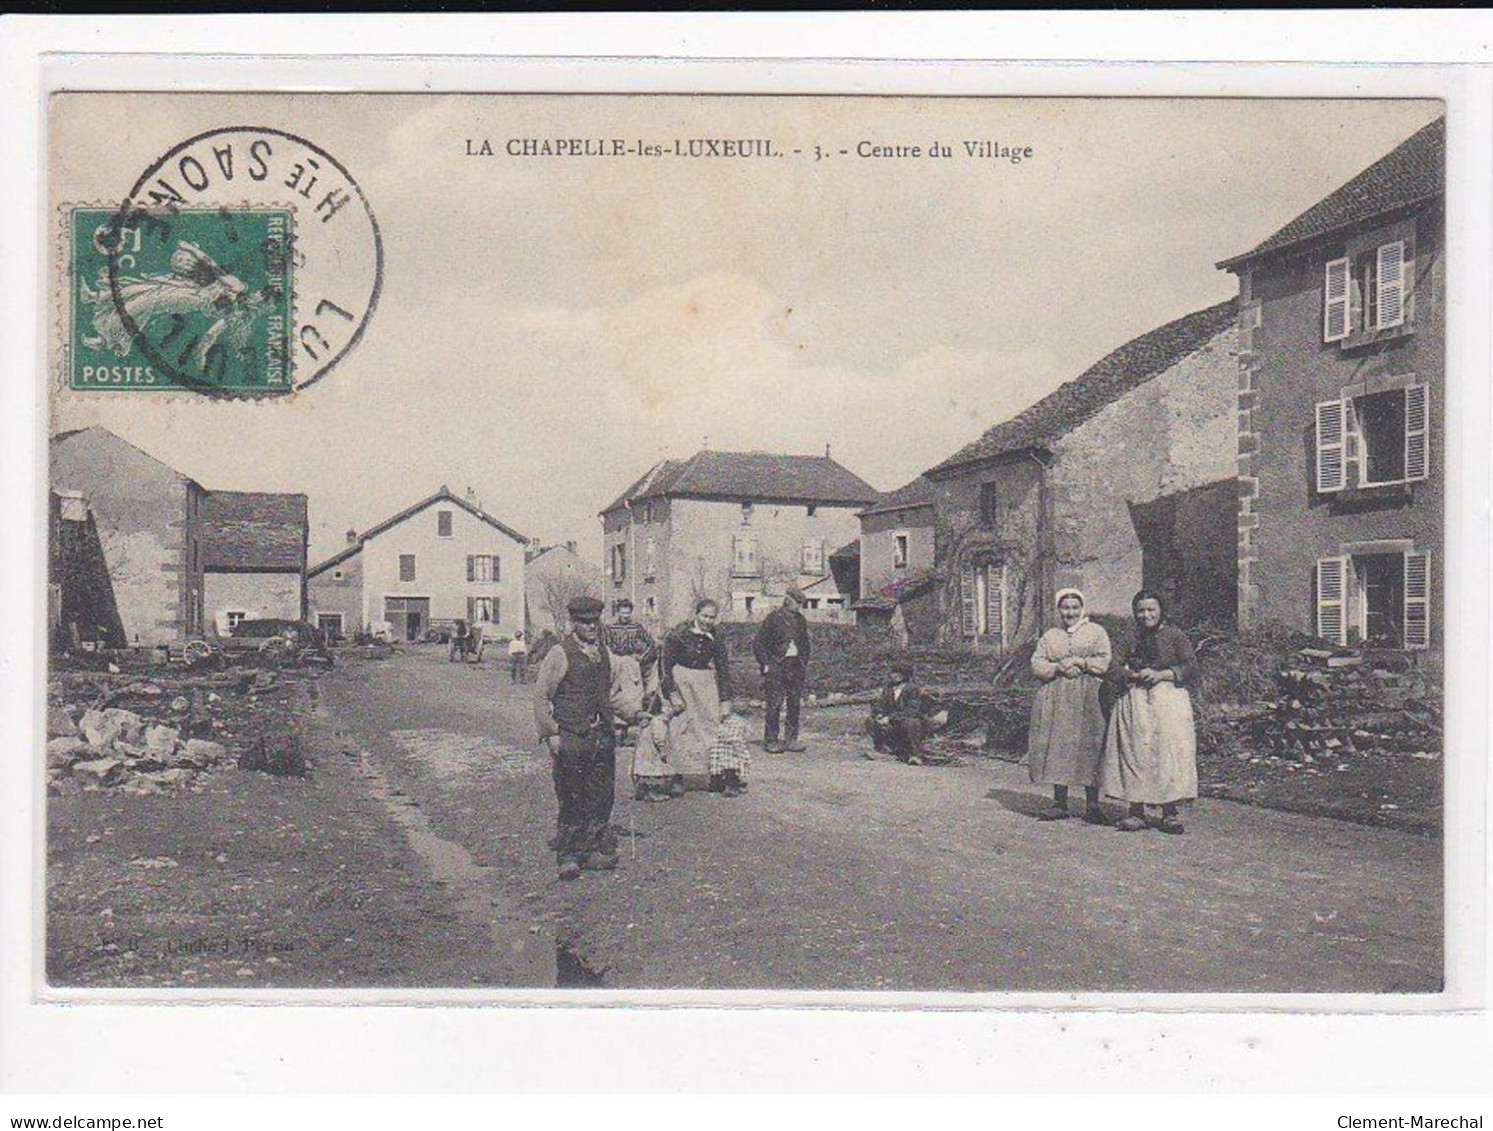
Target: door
{"points": [[409, 616]]}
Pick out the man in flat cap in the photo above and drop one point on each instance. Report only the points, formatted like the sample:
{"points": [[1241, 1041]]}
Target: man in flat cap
{"points": [[782, 652], [572, 709]]}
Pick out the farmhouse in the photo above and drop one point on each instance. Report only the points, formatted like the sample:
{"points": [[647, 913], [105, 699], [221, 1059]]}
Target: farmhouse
{"points": [[1120, 478], [438, 561]]}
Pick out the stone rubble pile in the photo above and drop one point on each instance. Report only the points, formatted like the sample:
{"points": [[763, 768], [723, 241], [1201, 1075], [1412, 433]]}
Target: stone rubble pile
{"points": [[175, 733]]}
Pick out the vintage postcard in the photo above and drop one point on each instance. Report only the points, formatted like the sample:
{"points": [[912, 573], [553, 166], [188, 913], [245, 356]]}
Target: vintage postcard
{"points": [[911, 545]]}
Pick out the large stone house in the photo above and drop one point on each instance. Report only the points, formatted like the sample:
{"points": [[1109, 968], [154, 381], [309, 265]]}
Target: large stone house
{"points": [[178, 558], [1120, 478], [1340, 445], [738, 527], [440, 560]]}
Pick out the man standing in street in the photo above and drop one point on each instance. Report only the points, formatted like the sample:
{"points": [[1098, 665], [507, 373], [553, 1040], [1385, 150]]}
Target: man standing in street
{"points": [[782, 652], [518, 658], [572, 709]]}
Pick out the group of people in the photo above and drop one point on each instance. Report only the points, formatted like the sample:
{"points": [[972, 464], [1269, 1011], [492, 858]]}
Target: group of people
{"points": [[1143, 751], [604, 686]]}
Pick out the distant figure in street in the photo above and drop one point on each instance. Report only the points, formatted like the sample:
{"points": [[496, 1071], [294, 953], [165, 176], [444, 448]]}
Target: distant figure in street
{"points": [[1065, 744], [782, 651], [1150, 750], [572, 710], [696, 679], [518, 658], [897, 724], [634, 656]]}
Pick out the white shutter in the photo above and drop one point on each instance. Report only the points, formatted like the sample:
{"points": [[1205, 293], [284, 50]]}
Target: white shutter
{"points": [[1417, 432], [1417, 601], [1335, 322], [1332, 470], [1332, 579], [1391, 282], [967, 599], [995, 602]]}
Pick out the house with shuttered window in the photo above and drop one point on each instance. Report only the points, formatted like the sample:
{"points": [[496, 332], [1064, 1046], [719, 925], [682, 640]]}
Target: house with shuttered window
{"points": [[737, 527], [1342, 368], [435, 562]]}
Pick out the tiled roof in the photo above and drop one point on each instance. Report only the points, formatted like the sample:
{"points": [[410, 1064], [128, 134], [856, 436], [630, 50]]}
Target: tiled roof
{"points": [[444, 495], [850, 552], [1127, 368], [1414, 171], [918, 493], [754, 476], [253, 530]]}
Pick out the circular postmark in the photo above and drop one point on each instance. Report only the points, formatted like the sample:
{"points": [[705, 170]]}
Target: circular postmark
{"points": [[243, 262]]}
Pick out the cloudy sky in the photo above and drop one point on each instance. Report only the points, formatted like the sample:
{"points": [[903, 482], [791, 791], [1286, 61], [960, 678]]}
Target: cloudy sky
{"points": [[550, 327]]}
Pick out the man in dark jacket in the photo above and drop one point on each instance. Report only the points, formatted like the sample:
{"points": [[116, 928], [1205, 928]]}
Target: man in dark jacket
{"points": [[572, 709], [782, 652], [897, 722]]}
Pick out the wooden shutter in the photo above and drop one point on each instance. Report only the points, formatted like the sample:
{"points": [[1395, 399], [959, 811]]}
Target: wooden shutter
{"points": [[497, 568], [1332, 468], [471, 567], [995, 602], [494, 614], [1417, 432], [471, 610], [967, 600], [1332, 581], [1335, 321], [1391, 285], [1417, 601]]}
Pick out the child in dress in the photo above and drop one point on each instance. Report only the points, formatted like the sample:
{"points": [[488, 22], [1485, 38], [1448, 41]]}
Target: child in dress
{"points": [[730, 757]]}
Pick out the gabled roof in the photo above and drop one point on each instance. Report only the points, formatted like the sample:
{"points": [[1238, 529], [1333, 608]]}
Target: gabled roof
{"points": [[918, 493], [1411, 173], [254, 530], [850, 552], [755, 476], [1119, 372], [444, 495], [99, 434]]}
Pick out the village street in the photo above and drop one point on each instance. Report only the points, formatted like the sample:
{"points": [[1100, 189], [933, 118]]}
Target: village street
{"points": [[839, 872]]}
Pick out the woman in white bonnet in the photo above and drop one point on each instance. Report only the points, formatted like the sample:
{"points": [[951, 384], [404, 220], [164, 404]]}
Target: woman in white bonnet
{"points": [[1065, 745]]}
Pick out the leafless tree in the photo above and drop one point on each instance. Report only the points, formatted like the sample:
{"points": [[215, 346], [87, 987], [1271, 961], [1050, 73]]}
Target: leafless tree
{"points": [[560, 589]]}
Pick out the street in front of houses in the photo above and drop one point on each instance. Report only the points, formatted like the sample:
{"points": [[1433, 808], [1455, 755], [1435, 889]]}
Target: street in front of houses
{"points": [[835, 871]]}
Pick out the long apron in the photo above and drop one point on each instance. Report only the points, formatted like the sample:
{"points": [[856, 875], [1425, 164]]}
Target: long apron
{"points": [[1150, 752], [692, 733]]}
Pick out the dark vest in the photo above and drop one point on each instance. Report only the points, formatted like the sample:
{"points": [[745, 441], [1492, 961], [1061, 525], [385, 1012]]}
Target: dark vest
{"points": [[584, 695]]}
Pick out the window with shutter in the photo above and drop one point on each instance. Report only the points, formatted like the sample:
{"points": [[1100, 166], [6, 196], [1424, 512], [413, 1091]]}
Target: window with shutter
{"points": [[443, 524], [1332, 622], [744, 555], [1331, 439], [1417, 601], [967, 600], [995, 602], [1417, 432], [1335, 320], [1390, 285], [406, 567]]}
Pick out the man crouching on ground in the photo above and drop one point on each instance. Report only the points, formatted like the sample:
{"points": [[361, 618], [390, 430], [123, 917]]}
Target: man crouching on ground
{"points": [[572, 709]]}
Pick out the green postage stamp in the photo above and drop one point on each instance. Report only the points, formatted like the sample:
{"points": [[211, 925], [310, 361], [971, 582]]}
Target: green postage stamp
{"points": [[196, 299]]}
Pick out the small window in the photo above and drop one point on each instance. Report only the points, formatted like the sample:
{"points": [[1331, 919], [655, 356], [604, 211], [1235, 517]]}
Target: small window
{"points": [[650, 606], [744, 555], [746, 514], [406, 567], [813, 557], [443, 524], [989, 506], [899, 551], [812, 510], [337, 575], [648, 511], [619, 563], [233, 617]]}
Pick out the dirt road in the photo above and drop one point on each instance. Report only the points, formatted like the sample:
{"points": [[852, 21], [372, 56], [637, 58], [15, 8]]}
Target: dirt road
{"points": [[838, 872]]}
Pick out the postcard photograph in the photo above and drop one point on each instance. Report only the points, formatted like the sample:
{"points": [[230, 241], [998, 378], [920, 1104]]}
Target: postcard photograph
{"points": [[745, 543]]}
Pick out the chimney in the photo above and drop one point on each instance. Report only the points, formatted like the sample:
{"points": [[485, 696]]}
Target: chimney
{"points": [[826, 449], [352, 537]]}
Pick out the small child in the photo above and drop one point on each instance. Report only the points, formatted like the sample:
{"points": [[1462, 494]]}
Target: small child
{"points": [[651, 773], [730, 757]]}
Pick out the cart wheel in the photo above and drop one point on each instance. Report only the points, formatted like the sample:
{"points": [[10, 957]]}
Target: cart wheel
{"points": [[197, 651]]}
